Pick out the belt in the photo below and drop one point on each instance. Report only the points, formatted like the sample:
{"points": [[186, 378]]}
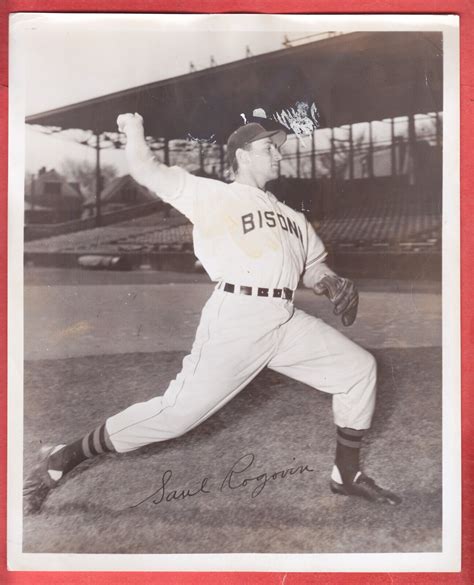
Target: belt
{"points": [[278, 293]]}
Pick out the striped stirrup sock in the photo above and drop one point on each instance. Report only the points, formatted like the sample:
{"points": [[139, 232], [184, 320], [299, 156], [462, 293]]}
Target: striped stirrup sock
{"points": [[348, 446], [63, 459]]}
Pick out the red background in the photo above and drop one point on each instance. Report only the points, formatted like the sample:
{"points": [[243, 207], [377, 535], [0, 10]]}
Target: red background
{"points": [[464, 8]]}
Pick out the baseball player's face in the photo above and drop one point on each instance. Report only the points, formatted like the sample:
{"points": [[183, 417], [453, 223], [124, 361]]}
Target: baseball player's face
{"points": [[263, 160]]}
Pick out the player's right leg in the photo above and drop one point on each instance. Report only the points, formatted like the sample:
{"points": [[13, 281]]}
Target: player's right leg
{"points": [[234, 341]]}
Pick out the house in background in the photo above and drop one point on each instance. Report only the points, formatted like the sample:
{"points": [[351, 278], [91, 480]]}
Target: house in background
{"points": [[119, 194], [125, 192], [49, 198]]}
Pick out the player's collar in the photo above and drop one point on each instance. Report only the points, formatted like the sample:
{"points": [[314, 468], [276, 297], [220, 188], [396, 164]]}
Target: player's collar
{"points": [[256, 190], [270, 195], [239, 185]]}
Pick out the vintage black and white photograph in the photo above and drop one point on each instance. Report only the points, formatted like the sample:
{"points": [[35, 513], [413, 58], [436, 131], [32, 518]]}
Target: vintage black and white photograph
{"points": [[233, 292]]}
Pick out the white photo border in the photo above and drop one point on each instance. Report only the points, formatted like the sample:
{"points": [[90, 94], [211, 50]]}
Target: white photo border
{"points": [[449, 560]]}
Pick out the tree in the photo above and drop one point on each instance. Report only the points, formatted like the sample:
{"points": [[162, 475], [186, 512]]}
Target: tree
{"points": [[84, 173]]}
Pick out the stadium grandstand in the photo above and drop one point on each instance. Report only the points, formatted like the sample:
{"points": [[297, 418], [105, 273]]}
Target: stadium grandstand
{"points": [[368, 173]]}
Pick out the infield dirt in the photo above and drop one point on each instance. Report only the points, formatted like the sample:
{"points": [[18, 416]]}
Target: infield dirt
{"points": [[92, 350]]}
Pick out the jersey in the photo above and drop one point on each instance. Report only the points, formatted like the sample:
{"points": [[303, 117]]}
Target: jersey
{"points": [[242, 234]]}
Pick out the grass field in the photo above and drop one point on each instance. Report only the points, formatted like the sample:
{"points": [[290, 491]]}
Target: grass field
{"points": [[75, 381]]}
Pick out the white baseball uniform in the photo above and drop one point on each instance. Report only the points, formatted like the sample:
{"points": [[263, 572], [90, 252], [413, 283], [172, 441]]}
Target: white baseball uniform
{"points": [[245, 237]]}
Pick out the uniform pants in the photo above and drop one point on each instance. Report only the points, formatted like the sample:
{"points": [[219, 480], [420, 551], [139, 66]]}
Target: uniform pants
{"points": [[236, 338]]}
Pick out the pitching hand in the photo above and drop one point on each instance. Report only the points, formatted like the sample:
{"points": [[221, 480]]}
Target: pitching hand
{"points": [[342, 293], [130, 124]]}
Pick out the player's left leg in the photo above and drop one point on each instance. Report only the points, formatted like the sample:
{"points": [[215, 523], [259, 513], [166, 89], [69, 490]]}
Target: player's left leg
{"points": [[318, 355]]}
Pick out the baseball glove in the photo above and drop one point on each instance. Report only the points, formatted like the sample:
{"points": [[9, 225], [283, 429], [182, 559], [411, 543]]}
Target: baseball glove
{"points": [[343, 295]]}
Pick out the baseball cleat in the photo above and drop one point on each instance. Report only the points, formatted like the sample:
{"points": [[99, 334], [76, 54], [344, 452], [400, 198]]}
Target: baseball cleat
{"points": [[39, 482], [365, 487]]}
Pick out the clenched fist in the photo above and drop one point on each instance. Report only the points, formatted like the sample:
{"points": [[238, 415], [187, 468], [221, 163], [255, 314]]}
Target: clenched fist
{"points": [[130, 124]]}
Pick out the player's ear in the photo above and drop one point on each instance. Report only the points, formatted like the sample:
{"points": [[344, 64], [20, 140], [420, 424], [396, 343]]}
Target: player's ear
{"points": [[242, 156]]}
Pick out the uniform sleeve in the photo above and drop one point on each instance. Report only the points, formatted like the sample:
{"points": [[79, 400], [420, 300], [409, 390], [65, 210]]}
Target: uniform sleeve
{"points": [[174, 185], [315, 250]]}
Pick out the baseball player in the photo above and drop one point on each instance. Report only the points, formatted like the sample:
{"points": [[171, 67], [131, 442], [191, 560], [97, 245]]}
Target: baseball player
{"points": [[255, 249]]}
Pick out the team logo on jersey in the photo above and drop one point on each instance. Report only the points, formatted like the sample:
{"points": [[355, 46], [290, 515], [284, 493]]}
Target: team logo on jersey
{"points": [[258, 220]]}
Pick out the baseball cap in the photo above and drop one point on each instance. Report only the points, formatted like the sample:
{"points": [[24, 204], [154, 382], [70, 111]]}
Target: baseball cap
{"points": [[251, 133]]}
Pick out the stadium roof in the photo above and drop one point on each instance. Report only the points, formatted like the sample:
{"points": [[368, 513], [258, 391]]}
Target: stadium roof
{"points": [[351, 78]]}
